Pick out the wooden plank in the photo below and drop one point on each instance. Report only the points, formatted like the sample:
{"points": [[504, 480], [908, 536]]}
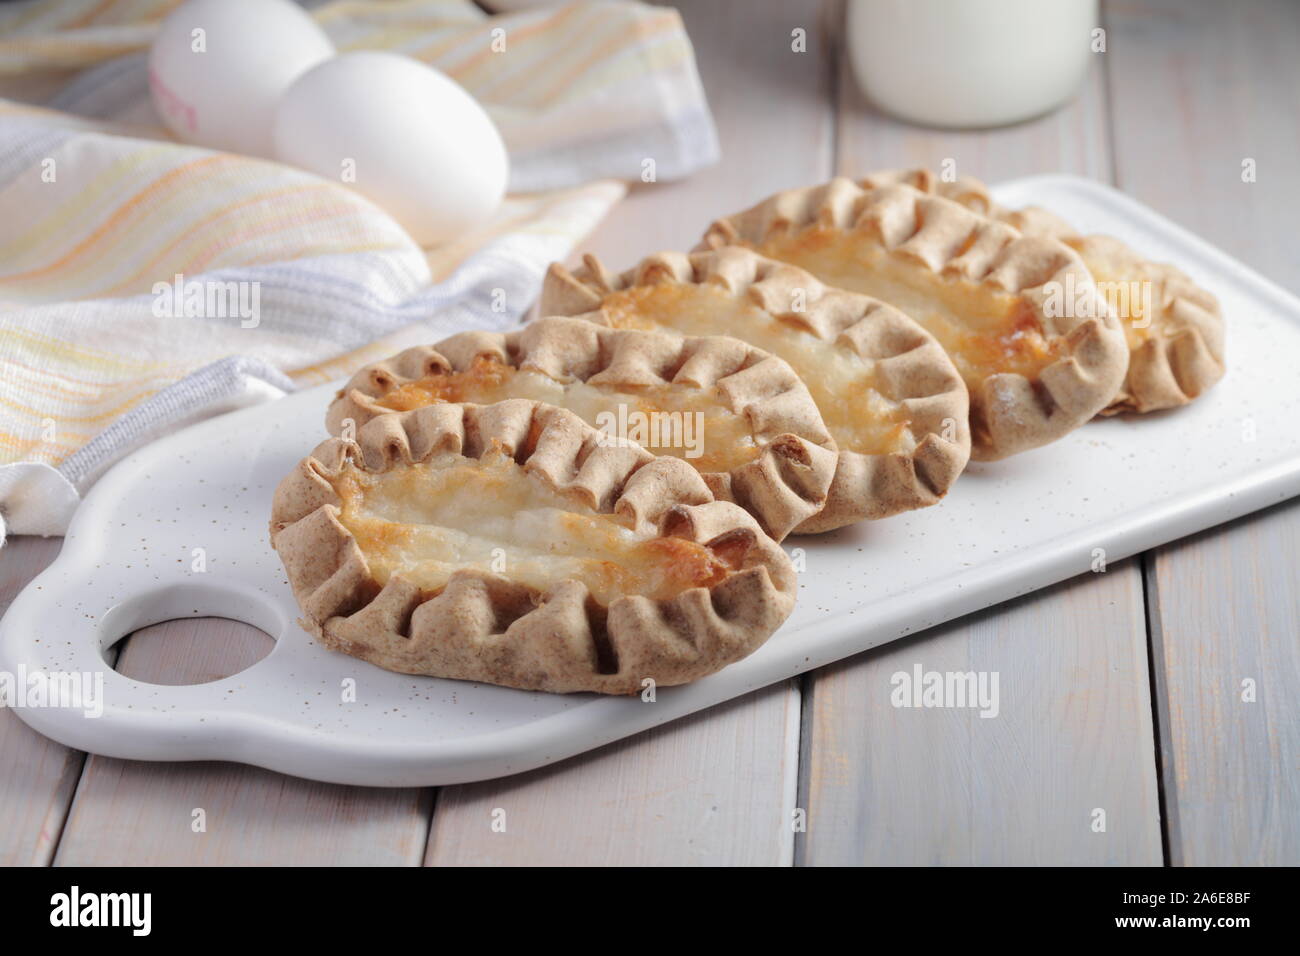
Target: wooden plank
{"points": [[39, 775], [134, 814], [771, 107], [1072, 735], [716, 787], [146, 813], [1226, 621], [1200, 87], [713, 788], [890, 786]]}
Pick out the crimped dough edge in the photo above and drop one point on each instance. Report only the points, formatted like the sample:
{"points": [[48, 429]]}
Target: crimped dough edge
{"points": [[1009, 412], [911, 365], [483, 627], [784, 486], [1182, 355]]}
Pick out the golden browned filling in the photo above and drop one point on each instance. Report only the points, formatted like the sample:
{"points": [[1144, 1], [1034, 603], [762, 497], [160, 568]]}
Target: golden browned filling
{"points": [[686, 422], [984, 330], [428, 520], [481, 383], [842, 383]]}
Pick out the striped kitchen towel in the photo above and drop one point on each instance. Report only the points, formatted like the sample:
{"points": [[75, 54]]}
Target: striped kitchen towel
{"points": [[145, 284]]}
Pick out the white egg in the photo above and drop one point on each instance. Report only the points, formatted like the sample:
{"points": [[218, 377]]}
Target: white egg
{"points": [[402, 134], [218, 67]]}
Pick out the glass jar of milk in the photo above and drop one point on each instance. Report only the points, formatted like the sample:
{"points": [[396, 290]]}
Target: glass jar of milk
{"points": [[970, 63]]}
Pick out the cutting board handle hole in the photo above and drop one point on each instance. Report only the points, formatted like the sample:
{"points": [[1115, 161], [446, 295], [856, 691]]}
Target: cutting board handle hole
{"points": [[193, 650], [190, 634]]}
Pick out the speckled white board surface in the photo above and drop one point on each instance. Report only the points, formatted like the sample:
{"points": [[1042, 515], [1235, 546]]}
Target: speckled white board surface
{"points": [[1119, 485]]}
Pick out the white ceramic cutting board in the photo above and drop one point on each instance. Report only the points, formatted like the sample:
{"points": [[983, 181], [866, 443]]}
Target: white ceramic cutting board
{"points": [[1120, 485]]}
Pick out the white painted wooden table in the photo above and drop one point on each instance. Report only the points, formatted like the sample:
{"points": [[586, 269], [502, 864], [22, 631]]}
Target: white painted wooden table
{"points": [[1120, 691]]}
